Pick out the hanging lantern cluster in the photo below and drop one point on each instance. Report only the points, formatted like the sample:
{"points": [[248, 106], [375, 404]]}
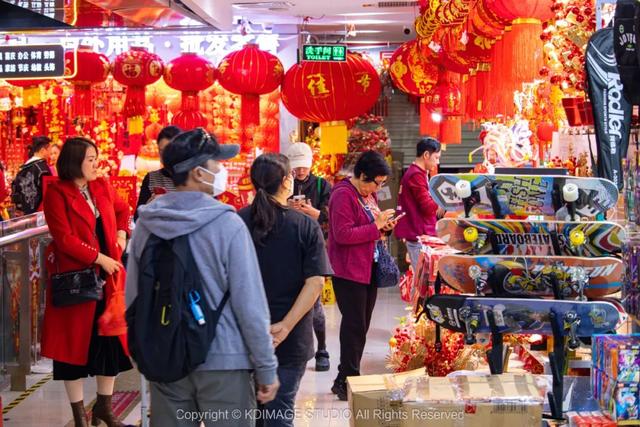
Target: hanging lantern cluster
{"points": [[442, 110], [189, 73]]}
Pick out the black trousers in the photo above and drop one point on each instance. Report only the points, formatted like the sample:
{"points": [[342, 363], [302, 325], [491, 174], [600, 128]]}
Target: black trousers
{"points": [[356, 302]]}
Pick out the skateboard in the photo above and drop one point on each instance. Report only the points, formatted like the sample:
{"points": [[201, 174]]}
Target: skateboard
{"points": [[532, 276], [501, 195], [471, 315], [512, 237]]}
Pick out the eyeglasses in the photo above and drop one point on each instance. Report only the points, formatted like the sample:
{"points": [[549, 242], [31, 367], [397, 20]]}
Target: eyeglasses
{"points": [[379, 183]]}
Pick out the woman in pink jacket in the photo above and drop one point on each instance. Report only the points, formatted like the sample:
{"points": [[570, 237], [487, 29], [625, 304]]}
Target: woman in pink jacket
{"points": [[355, 224]]}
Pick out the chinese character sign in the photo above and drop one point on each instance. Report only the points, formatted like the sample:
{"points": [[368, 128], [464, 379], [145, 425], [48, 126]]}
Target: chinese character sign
{"points": [[324, 53], [31, 61]]}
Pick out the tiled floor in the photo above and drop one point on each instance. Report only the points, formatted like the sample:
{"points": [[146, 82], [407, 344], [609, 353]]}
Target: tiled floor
{"points": [[316, 405]]}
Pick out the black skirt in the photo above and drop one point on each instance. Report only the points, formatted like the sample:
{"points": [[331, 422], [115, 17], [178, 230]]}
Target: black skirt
{"points": [[106, 355]]}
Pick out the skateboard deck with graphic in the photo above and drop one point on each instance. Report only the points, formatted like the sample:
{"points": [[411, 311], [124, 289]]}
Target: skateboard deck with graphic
{"points": [[524, 194], [532, 276], [470, 315], [511, 237]]}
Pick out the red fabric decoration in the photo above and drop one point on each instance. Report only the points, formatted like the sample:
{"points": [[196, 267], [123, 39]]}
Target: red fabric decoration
{"points": [[190, 74], [331, 91], [411, 71], [136, 69], [512, 9], [91, 67]]}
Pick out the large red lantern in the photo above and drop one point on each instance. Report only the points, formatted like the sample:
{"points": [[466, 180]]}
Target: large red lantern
{"points": [[327, 92], [189, 73], [330, 91], [411, 71], [250, 72], [30, 91], [136, 69], [90, 68]]}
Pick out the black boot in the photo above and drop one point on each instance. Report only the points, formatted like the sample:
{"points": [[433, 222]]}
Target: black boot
{"points": [[102, 411], [340, 388], [79, 414], [322, 361]]}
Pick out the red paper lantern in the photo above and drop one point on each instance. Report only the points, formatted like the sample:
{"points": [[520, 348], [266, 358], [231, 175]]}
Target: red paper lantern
{"points": [[250, 72], [512, 9], [411, 71], [30, 91], [446, 100], [189, 73], [452, 56], [331, 91], [136, 69], [91, 67]]}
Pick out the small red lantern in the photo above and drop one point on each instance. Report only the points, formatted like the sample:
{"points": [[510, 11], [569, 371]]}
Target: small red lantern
{"points": [[91, 67], [30, 91], [136, 69], [250, 72], [446, 100], [411, 71], [190, 74]]}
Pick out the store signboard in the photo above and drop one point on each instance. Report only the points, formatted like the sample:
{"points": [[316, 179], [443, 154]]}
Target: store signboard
{"points": [[318, 52], [31, 61], [53, 9], [169, 44]]}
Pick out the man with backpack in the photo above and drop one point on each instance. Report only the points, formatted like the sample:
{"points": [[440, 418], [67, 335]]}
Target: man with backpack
{"points": [[26, 188], [189, 256]]}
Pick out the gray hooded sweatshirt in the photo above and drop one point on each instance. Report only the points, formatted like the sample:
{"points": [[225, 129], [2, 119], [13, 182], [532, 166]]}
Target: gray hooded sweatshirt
{"points": [[226, 258]]}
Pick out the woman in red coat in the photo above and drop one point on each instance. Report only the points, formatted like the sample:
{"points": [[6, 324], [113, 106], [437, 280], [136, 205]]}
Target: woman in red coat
{"points": [[89, 225]]}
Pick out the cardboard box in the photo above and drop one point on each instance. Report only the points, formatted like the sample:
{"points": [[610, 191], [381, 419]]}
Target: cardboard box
{"points": [[412, 399]]}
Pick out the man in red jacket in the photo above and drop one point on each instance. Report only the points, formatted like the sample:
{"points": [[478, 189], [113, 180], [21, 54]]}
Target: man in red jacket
{"points": [[414, 199]]}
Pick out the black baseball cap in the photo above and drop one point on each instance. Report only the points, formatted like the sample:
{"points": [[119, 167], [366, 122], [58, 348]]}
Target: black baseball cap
{"points": [[190, 149]]}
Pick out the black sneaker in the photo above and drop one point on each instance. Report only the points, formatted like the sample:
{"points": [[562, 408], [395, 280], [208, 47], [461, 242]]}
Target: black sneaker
{"points": [[340, 389], [322, 361]]}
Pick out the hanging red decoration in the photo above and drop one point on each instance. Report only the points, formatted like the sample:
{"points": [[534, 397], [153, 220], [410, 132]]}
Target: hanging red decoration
{"points": [[30, 91], [325, 92], [329, 91], [136, 69], [446, 103], [91, 67], [454, 41], [189, 73], [250, 72], [518, 57], [411, 71]]}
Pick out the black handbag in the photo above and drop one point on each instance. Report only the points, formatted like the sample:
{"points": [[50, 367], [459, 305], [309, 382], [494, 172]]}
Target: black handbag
{"points": [[386, 272], [76, 287]]}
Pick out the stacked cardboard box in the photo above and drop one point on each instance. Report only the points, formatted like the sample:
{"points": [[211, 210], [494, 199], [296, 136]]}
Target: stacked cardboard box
{"points": [[412, 399]]}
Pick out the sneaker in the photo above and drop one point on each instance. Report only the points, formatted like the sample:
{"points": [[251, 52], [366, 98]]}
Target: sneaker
{"points": [[340, 389], [322, 361]]}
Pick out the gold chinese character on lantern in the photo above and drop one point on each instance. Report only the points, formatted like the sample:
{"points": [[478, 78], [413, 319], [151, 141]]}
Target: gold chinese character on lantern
{"points": [[364, 81], [317, 84]]}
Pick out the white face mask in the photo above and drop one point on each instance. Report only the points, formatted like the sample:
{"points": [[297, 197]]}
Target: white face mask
{"points": [[219, 184]]}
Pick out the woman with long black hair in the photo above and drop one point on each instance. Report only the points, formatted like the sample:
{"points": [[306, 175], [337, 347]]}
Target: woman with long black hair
{"points": [[293, 260]]}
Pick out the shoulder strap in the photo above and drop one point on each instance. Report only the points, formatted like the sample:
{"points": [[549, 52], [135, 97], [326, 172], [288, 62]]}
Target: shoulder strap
{"points": [[364, 206]]}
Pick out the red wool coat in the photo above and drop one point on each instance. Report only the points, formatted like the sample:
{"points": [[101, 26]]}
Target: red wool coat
{"points": [[66, 331]]}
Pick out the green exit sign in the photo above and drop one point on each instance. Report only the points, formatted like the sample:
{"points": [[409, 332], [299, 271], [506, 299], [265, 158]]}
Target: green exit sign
{"points": [[317, 52]]}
